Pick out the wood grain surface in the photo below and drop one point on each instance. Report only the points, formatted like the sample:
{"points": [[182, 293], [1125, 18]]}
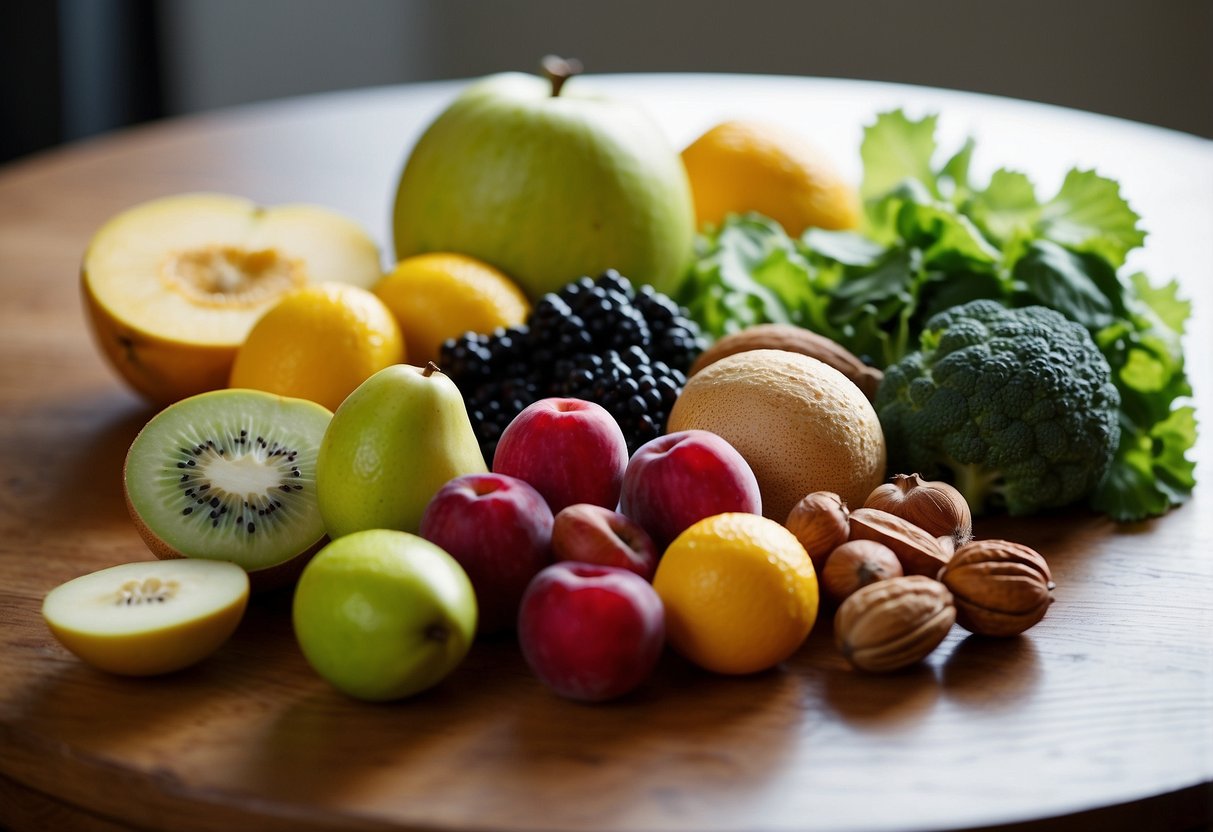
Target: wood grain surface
{"points": [[1101, 717]]}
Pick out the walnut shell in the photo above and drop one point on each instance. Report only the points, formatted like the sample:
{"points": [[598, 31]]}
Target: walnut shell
{"points": [[793, 339], [1000, 588], [918, 551], [893, 623]]}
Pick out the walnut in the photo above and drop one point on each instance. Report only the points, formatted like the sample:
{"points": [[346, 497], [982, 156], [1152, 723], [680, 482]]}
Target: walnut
{"points": [[893, 623], [1000, 588]]}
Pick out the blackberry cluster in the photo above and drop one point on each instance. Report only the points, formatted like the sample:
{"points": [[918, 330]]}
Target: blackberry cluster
{"points": [[598, 339]]}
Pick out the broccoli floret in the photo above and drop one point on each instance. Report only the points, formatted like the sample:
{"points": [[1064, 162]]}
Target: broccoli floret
{"points": [[1017, 404]]}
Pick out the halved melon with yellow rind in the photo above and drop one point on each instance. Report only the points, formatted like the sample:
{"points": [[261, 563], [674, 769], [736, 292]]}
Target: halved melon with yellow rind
{"points": [[174, 285]]}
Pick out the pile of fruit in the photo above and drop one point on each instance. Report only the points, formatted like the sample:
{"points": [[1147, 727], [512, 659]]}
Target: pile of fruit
{"points": [[600, 340], [516, 431]]}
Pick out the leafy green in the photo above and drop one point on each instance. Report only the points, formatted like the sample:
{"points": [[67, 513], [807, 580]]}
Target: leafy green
{"points": [[1150, 473], [1088, 214], [934, 240], [895, 149], [1007, 208], [1163, 301], [744, 275], [1080, 286]]}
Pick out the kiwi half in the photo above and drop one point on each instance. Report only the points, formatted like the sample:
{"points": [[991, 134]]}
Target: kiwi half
{"points": [[146, 618], [230, 475]]}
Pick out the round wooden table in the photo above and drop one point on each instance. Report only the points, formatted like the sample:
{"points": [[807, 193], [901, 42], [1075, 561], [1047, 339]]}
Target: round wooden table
{"points": [[1100, 718]]}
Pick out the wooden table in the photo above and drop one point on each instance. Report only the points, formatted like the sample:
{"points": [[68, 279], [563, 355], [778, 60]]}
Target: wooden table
{"points": [[1100, 718]]}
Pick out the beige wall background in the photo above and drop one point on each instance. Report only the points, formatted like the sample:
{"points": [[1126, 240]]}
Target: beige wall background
{"points": [[1137, 59]]}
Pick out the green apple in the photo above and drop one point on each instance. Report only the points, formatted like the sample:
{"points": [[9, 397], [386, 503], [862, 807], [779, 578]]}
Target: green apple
{"points": [[384, 614], [547, 186], [399, 437]]}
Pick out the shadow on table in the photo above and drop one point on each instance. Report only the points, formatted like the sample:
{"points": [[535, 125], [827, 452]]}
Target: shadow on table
{"points": [[990, 674], [491, 740], [969, 671], [74, 483]]}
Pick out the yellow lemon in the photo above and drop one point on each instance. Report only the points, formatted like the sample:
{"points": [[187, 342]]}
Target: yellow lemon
{"points": [[740, 593], [439, 296], [319, 343], [740, 166]]}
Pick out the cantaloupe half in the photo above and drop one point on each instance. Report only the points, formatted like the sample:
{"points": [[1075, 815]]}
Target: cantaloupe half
{"points": [[173, 286]]}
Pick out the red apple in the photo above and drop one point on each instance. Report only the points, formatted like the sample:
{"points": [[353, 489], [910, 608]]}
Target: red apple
{"points": [[571, 451], [593, 534], [676, 480], [591, 632], [500, 530]]}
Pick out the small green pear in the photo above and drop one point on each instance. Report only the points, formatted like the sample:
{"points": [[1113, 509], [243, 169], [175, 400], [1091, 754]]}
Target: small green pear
{"points": [[397, 439]]}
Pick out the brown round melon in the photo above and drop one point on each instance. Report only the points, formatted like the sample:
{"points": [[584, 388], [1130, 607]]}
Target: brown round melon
{"points": [[801, 425]]}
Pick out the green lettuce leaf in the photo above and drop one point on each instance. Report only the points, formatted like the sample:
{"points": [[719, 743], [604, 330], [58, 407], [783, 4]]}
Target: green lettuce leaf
{"points": [[1150, 472], [844, 247], [953, 180], [895, 149], [949, 240], [1163, 301], [1088, 214], [1084, 288], [1006, 207], [745, 273]]}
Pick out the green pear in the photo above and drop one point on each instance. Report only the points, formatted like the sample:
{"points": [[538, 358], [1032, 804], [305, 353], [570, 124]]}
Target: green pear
{"points": [[398, 438], [548, 185], [382, 614]]}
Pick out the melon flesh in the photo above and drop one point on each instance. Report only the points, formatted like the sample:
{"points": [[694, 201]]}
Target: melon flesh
{"points": [[173, 286], [147, 618]]}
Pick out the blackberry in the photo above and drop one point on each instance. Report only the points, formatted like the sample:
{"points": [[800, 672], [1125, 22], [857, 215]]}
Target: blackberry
{"points": [[679, 345], [676, 338], [570, 292], [601, 340], [610, 319], [612, 280]]}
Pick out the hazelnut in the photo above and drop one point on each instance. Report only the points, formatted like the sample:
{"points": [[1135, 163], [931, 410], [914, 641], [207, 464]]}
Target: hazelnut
{"points": [[819, 522], [1000, 588], [857, 564]]}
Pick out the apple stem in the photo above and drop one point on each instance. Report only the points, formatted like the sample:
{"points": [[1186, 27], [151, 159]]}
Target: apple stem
{"points": [[558, 70], [430, 369]]}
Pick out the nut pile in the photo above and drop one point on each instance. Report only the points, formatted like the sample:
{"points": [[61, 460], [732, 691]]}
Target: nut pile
{"points": [[904, 567]]}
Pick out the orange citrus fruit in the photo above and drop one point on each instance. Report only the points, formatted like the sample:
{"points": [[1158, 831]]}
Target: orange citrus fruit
{"points": [[741, 166], [740, 593], [319, 343], [440, 295]]}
